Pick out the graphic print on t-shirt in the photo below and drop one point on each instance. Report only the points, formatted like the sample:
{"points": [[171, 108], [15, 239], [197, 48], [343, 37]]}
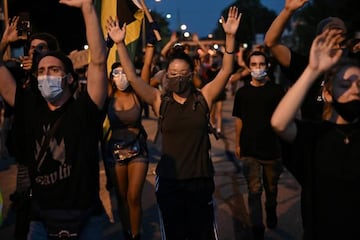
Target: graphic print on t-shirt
{"points": [[56, 149]]}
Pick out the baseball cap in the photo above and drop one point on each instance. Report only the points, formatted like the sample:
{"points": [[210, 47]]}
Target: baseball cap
{"points": [[332, 23]]}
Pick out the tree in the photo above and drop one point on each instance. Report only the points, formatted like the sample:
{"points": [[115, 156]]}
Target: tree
{"points": [[255, 19], [306, 20]]}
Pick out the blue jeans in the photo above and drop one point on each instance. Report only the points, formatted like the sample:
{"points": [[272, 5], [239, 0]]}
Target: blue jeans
{"points": [[261, 174], [93, 230]]}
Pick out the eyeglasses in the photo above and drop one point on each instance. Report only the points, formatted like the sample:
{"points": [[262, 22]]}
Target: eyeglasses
{"points": [[116, 72]]}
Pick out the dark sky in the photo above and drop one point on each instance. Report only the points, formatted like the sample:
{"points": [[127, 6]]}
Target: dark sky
{"points": [[203, 15], [65, 23]]}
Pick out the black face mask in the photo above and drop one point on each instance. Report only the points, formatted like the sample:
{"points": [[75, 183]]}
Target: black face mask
{"points": [[349, 111], [178, 84]]}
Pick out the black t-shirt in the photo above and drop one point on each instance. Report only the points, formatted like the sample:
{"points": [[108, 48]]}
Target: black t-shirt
{"points": [[332, 178], [67, 177], [311, 108], [185, 142], [255, 106]]}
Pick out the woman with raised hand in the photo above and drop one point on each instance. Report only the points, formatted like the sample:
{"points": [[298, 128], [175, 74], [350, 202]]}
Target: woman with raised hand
{"points": [[328, 150], [126, 150], [185, 184]]}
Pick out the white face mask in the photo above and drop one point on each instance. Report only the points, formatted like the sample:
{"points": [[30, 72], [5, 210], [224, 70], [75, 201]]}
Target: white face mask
{"points": [[259, 74], [50, 87], [121, 81]]}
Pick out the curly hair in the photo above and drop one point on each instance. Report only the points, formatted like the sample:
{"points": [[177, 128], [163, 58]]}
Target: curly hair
{"points": [[178, 52]]}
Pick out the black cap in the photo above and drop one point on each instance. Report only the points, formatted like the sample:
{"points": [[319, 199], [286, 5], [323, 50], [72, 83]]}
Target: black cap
{"points": [[330, 23]]}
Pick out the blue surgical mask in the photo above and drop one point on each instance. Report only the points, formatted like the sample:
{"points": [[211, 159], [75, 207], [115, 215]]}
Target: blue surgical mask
{"points": [[50, 87], [259, 74]]}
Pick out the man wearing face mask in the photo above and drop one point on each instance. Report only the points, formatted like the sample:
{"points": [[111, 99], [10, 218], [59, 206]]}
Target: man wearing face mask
{"points": [[36, 43], [60, 138], [256, 144]]}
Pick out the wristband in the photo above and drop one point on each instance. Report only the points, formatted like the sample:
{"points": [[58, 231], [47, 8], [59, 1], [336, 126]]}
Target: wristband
{"points": [[232, 52]]}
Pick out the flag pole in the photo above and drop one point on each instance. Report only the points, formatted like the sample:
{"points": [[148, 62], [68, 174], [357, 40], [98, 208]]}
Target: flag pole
{"points": [[6, 54], [150, 19]]}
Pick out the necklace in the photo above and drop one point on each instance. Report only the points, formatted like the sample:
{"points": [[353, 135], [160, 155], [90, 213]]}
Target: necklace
{"points": [[346, 135]]}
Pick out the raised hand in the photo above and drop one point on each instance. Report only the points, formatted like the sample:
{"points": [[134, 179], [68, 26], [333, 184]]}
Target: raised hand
{"points": [[173, 38], [231, 25], [26, 62], [293, 5], [11, 33], [116, 33], [324, 52], [195, 37]]}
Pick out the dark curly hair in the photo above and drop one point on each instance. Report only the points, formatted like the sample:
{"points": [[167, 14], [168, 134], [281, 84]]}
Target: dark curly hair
{"points": [[257, 53], [178, 52], [66, 61]]}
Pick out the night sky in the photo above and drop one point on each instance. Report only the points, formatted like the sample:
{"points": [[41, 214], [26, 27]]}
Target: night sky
{"points": [[65, 23]]}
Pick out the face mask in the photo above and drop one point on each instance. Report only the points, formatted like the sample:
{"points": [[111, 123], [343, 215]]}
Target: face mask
{"points": [[178, 84], [50, 87], [349, 111], [121, 81], [259, 74]]}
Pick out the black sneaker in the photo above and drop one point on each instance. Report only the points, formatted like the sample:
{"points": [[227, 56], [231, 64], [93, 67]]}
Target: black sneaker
{"points": [[127, 235], [271, 218]]}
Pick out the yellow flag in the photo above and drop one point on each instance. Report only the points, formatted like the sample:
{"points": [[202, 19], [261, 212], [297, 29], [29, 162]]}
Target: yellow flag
{"points": [[128, 11]]}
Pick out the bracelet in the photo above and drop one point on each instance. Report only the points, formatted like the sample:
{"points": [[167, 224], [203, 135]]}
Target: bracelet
{"points": [[232, 52]]}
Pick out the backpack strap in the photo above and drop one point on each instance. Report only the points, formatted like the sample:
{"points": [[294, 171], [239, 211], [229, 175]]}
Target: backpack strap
{"points": [[165, 100], [199, 99]]}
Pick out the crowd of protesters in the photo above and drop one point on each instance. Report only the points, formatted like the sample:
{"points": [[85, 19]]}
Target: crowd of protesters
{"points": [[53, 126]]}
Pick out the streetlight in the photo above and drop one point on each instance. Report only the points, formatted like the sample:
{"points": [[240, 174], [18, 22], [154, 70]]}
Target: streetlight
{"points": [[186, 34], [183, 27]]}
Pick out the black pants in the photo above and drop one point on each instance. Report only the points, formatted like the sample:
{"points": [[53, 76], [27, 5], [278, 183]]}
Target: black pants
{"points": [[186, 209]]}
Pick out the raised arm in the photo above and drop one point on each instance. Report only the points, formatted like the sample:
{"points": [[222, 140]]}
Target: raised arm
{"points": [[322, 57], [273, 35], [151, 40], [230, 26], [10, 35], [195, 39], [97, 72], [150, 95], [7, 81], [7, 85], [146, 69], [173, 39]]}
